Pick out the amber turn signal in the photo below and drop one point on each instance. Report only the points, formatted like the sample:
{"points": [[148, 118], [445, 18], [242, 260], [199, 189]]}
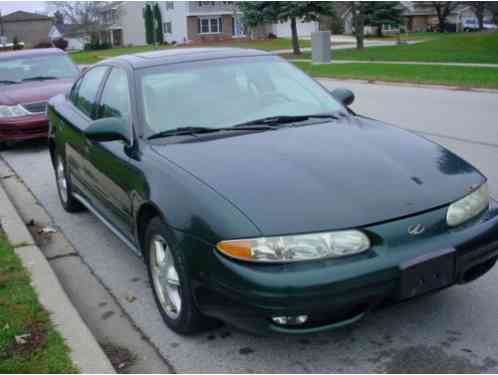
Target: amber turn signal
{"points": [[239, 249]]}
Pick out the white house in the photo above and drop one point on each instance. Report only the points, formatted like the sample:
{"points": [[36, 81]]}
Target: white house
{"points": [[184, 22]]}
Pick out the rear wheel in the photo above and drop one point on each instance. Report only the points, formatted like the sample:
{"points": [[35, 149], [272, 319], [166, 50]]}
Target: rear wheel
{"points": [[170, 282], [69, 203]]}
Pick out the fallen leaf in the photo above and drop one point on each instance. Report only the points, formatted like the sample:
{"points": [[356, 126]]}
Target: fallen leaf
{"points": [[131, 299], [22, 339], [47, 230]]}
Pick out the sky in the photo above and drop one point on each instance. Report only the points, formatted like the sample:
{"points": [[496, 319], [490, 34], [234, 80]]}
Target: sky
{"points": [[7, 7]]}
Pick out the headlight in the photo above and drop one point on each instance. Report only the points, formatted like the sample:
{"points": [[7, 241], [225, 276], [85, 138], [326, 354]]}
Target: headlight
{"points": [[468, 207], [296, 248], [13, 111]]}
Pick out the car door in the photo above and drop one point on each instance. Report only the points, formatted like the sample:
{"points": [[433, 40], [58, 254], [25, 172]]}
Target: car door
{"points": [[81, 110], [110, 162]]}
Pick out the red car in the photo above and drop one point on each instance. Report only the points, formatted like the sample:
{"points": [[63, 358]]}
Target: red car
{"points": [[27, 80]]}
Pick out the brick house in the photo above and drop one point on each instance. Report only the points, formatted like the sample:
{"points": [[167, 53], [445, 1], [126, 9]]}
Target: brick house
{"points": [[30, 28]]}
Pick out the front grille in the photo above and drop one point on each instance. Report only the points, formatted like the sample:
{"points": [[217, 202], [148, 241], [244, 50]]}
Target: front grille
{"points": [[37, 107]]}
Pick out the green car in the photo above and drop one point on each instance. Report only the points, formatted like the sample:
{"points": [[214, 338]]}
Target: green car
{"points": [[258, 198]]}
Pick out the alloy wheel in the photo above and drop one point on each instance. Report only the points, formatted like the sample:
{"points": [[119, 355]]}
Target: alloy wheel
{"points": [[165, 278], [61, 180]]}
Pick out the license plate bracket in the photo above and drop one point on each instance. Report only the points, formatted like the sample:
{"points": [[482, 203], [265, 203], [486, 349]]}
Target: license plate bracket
{"points": [[427, 273]]}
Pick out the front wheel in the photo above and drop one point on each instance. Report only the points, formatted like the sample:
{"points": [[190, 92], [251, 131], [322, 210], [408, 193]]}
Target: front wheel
{"points": [[170, 282], [64, 189]]}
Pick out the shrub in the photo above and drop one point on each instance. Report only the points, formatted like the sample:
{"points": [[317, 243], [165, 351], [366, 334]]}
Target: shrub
{"points": [[16, 45], [61, 43], [96, 46], [43, 44], [272, 36]]}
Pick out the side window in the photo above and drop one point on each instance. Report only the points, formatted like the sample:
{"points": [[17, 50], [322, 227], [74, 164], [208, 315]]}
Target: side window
{"points": [[115, 99], [85, 92]]}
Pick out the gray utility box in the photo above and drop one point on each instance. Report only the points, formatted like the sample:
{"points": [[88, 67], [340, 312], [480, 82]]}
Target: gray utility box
{"points": [[320, 47]]}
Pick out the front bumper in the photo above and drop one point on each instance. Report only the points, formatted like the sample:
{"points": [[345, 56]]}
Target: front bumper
{"points": [[338, 292], [24, 128]]}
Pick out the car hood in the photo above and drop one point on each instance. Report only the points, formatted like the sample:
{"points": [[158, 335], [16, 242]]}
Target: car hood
{"points": [[33, 91], [343, 174]]}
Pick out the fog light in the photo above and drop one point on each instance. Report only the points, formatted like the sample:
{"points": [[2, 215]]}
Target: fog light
{"points": [[290, 320]]}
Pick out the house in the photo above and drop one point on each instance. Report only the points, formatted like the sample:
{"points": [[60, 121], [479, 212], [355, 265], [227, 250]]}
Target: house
{"points": [[75, 35], [30, 28], [419, 17], [208, 21], [122, 23]]}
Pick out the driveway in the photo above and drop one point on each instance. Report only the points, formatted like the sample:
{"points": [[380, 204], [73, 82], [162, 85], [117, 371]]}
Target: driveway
{"points": [[451, 331]]}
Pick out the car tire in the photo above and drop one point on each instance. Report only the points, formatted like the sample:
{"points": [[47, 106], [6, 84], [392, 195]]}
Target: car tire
{"points": [[170, 282], [64, 188]]}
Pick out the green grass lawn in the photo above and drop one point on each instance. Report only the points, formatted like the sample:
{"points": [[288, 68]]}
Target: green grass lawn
{"points": [[20, 313], [453, 47], [465, 77], [91, 57]]}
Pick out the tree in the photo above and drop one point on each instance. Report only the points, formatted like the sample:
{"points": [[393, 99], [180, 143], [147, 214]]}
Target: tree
{"points": [[149, 24], [443, 10], [378, 13], [358, 12], [159, 37], [58, 18], [84, 13], [258, 12]]}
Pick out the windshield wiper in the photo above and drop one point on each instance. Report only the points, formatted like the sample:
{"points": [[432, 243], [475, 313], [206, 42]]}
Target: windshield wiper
{"points": [[279, 120], [190, 130], [8, 82], [39, 78]]}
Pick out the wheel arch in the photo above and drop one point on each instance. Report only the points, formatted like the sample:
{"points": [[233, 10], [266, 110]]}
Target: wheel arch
{"points": [[145, 213]]}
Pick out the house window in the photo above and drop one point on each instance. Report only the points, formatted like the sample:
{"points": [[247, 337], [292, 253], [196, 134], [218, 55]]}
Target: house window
{"points": [[167, 28], [210, 25], [170, 5]]}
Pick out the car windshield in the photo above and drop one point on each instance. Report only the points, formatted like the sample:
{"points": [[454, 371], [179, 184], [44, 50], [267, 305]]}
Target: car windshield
{"points": [[26, 68], [218, 94]]}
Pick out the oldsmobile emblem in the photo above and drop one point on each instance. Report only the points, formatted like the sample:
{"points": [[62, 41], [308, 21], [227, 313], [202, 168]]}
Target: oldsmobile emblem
{"points": [[416, 229]]}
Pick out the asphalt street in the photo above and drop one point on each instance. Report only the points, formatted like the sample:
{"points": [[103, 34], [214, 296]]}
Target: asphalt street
{"points": [[452, 331]]}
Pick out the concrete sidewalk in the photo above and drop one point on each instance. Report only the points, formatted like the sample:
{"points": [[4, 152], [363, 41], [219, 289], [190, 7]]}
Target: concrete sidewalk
{"points": [[468, 65], [85, 352], [342, 45]]}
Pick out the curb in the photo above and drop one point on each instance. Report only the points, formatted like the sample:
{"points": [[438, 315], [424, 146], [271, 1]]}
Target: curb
{"points": [[407, 84], [85, 352]]}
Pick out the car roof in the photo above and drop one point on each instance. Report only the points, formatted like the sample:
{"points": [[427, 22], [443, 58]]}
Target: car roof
{"points": [[180, 55], [31, 52]]}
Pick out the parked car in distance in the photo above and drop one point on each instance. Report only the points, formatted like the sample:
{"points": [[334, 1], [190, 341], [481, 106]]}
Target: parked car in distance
{"points": [[259, 198], [28, 79], [473, 25], [489, 26]]}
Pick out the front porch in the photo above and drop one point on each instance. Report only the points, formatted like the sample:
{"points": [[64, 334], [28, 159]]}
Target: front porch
{"points": [[112, 36]]}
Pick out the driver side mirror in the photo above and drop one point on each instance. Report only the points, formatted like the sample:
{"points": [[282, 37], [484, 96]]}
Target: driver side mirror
{"points": [[107, 130], [345, 96]]}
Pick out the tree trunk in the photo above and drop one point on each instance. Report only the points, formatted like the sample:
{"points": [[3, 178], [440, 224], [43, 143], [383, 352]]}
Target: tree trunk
{"points": [[359, 24], [441, 19], [295, 39], [480, 17], [379, 31]]}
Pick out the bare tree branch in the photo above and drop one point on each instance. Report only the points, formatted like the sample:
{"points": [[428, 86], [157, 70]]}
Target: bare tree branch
{"points": [[86, 14]]}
